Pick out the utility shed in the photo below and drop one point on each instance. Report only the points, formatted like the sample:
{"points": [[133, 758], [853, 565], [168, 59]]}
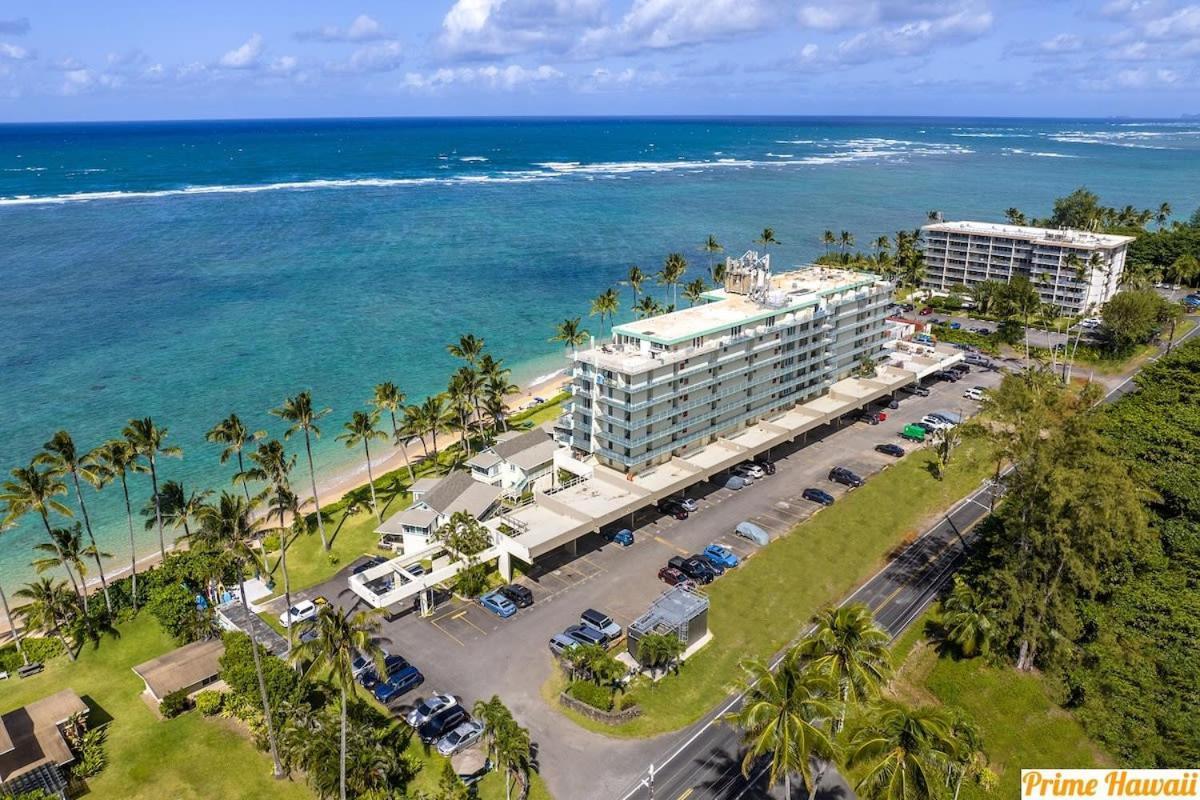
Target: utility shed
{"points": [[189, 668], [680, 611]]}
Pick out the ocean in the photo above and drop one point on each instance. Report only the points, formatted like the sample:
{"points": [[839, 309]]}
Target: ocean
{"points": [[184, 270]]}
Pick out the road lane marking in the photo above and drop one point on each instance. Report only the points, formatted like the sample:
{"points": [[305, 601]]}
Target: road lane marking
{"points": [[672, 545], [687, 793]]}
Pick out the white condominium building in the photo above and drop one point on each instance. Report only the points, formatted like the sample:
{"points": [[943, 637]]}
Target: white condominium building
{"points": [[1074, 270], [669, 385]]}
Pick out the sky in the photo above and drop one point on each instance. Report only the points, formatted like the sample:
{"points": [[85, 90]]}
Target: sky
{"points": [[132, 60]]}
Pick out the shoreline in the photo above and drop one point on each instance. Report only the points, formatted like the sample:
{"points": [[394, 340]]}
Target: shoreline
{"points": [[335, 484]]}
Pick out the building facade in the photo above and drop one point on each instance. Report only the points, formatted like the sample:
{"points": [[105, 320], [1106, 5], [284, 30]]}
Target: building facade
{"points": [[668, 385], [1074, 270]]}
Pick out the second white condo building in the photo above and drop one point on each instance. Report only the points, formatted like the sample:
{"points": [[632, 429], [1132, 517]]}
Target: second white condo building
{"points": [[1077, 271], [669, 385]]}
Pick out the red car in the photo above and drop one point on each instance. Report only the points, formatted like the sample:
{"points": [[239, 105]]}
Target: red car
{"points": [[926, 311], [672, 576]]}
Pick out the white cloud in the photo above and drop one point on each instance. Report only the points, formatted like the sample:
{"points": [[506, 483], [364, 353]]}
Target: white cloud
{"points": [[362, 29], [480, 29], [283, 66], [665, 24], [78, 81], [492, 76], [1054, 47], [245, 57], [1139, 78], [917, 37], [1184, 23], [383, 57], [14, 52]]}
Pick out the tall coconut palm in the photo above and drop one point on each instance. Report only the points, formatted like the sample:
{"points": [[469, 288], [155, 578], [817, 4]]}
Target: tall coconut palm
{"points": [[718, 275], [229, 526], [65, 551], [469, 348], [845, 239], [966, 618], [283, 502], [767, 238], [114, 460], [1163, 214], [852, 650], [636, 278], [48, 607], [781, 717], [672, 272], [34, 489], [570, 334], [433, 417], [60, 455], [8, 618], [147, 440], [498, 388], [361, 429], [881, 244], [606, 305], [339, 637], [507, 743], [460, 393], [389, 398], [299, 411], [178, 507], [712, 247], [232, 433], [647, 307], [694, 291], [829, 240], [905, 753], [414, 426]]}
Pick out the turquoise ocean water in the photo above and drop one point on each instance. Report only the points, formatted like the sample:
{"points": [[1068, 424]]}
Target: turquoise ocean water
{"points": [[186, 270]]}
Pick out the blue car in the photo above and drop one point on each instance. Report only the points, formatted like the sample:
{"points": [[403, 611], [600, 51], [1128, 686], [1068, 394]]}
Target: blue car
{"points": [[368, 677], [818, 496], [721, 555], [498, 604], [403, 681], [623, 537]]}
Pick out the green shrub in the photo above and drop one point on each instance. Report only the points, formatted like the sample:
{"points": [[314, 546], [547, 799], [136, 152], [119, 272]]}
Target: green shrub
{"points": [[472, 581], [36, 648], [174, 704], [270, 543], [237, 670], [591, 694], [91, 757], [174, 606], [209, 702]]}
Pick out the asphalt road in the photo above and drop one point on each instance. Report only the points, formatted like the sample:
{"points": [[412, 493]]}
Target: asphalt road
{"points": [[705, 761]]}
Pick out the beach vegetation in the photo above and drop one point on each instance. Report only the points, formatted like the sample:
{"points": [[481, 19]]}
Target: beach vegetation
{"points": [[606, 304], [570, 333], [147, 439], [673, 269], [299, 411], [362, 428]]}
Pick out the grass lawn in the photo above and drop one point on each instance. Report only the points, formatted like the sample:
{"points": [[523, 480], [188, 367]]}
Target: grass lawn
{"points": [[1089, 358], [549, 410], [1021, 725], [764, 604]]}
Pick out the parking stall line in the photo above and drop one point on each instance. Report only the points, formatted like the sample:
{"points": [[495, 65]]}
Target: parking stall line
{"points": [[462, 615], [452, 637]]}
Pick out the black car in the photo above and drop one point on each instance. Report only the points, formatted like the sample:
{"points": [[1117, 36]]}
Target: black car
{"points": [[870, 417], [890, 449], [767, 466], [391, 665], [845, 477], [373, 561], [818, 496], [673, 508], [946, 375], [442, 723], [520, 595], [696, 570], [718, 569], [960, 368]]}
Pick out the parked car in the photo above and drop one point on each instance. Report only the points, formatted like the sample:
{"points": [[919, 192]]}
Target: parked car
{"points": [[373, 561], [304, 610], [926, 311], [913, 433], [1093, 322], [871, 417], [919, 391], [460, 738], [767, 466], [961, 368], [398, 684], [369, 677], [601, 622], [441, 723], [745, 473], [955, 326], [753, 469], [731, 481], [498, 604], [937, 423], [672, 509], [974, 393], [816, 495], [520, 595], [672, 576], [893, 404], [845, 477], [890, 449], [360, 664], [561, 643], [428, 707], [982, 331], [717, 569], [946, 375], [688, 503], [748, 530], [623, 537], [586, 634], [721, 555], [978, 360], [693, 568]]}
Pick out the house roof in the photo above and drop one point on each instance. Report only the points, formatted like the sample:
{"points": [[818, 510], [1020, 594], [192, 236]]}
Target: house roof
{"points": [[418, 516], [424, 485], [485, 460], [181, 668], [531, 457], [32, 735], [458, 491], [509, 448]]}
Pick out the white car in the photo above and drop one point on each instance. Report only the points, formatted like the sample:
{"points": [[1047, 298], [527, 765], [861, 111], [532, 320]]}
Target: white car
{"points": [[936, 423], [974, 393], [755, 470], [460, 738], [304, 610], [1091, 322], [427, 708]]}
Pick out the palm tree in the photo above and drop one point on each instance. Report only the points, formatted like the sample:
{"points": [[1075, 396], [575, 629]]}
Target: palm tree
{"points": [[115, 459], [1021, 299], [469, 348], [1163, 214], [1184, 270], [829, 240], [767, 238], [299, 411], [33, 489], [178, 507], [712, 247], [235, 436], [905, 752], [414, 425], [848, 647], [49, 607], [570, 334], [507, 743], [781, 717], [459, 394], [695, 290], [66, 550], [966, 619], [340, 636], [147, 441], [647, 307], [497, 389], [230, 527], [273, 465], [881, 245], [845, 239], [12, 626], [657, 650], [674, 267], [433, 416], [360, 429], [969, 758], [718, 275], [606, 305], [635, 279], [61, 456], [1014, 216], [389, 398]]}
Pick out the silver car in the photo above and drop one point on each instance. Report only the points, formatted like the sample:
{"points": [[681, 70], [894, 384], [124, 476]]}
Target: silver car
{"points": [[460, 738], [427, 708]]}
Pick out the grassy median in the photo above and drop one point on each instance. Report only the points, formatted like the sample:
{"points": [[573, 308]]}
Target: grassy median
{"points": [[764, 604]]}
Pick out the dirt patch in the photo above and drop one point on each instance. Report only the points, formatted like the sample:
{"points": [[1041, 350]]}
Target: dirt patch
{"points": [[908, 684]]}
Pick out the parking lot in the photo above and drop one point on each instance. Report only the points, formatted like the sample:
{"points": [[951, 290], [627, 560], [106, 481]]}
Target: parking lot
{"points": [[470, 652]]}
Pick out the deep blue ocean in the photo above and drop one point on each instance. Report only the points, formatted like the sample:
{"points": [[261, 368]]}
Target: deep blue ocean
{"points": [[186, 270]]}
